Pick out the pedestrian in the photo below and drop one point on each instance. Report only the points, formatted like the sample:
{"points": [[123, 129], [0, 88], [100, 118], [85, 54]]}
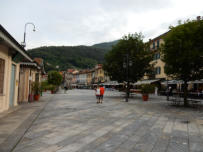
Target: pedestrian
{"points": [[101, 93], [65, 87], [97, 93]]}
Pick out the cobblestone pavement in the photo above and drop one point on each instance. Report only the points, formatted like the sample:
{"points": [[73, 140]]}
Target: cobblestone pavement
{"points": [[16, 121], [73, 122]]}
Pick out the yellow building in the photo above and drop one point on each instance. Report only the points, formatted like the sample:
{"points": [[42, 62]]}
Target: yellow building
{"points": [[9, 69], [155, 45], [99, 76], [158, 64]]}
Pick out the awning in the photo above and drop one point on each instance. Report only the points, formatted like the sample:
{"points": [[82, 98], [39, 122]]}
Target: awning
{"points": [[196, 81], [146, 82], [181, 82], [111, 83], [172, 82]]}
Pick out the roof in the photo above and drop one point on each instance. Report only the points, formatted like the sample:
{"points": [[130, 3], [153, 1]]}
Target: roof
{"points": [[98, 66], [39, 61], [5, 36], [30, 64], [158, 37], [70, 70]]}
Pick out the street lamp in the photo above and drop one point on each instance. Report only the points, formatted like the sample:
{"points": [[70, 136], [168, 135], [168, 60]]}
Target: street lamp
{"points": [[126, 64], [29, 23]]}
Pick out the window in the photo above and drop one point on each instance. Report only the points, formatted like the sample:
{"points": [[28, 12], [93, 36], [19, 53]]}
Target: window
{"points": [[157, 70], [156, 56], [2, 67], [157, 43], [153, 45]]}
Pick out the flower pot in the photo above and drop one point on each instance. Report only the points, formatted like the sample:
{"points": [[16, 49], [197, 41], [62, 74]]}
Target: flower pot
{"points": [[36, 97], [145, 97]]}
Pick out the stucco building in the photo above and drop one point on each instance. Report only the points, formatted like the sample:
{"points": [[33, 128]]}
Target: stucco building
{"points": [[30, 72], [9, 69]]}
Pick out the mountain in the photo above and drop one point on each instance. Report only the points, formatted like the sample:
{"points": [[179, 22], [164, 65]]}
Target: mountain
{"points": [[105, 45], [80, 57]]}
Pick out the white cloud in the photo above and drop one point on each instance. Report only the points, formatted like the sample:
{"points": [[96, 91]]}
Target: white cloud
{"points": [[68, 22]]}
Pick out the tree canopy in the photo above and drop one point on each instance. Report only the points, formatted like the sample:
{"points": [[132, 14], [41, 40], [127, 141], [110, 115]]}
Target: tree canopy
{"points": [[134, 46], [55, 78], [183, 52]]}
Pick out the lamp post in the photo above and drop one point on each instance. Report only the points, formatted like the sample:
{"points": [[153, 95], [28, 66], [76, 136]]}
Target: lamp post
{"points": [[29, 23], [167, 89], [126, 64]]}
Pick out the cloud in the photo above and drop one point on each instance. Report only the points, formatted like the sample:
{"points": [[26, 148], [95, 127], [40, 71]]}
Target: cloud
{"points": [[134, 5], [85, 22]]}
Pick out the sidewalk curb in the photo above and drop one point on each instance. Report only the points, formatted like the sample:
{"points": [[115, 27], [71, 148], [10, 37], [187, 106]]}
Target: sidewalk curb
{"points": [[12, 141]]}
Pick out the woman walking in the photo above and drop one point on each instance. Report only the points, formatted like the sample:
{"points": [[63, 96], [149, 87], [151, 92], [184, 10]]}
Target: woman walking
{"points": [[97, 93]]}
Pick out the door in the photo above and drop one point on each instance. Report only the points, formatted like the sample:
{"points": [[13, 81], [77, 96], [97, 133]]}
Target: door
{"points": [[12, 86]]}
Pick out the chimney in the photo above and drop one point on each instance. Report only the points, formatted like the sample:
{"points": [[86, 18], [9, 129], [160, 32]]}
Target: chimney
{"points": [[198, 18]]}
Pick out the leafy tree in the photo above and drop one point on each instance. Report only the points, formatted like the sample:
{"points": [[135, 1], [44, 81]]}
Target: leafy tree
{"points": [[55, 78], [133, 46], [183, 53]]}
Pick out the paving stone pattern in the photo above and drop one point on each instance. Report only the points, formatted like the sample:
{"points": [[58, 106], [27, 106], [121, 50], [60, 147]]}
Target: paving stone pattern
{"points": [[73, 122]]}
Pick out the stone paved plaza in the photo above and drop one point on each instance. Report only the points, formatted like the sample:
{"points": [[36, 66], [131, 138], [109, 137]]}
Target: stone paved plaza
{"points": [[73, 122]]}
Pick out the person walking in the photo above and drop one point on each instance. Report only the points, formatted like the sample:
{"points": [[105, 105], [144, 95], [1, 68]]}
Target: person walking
{"points": [[101, 93], [97, 93]]}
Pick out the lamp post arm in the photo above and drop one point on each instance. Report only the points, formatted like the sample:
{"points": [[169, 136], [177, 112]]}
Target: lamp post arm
{"points": [[24, 37]]}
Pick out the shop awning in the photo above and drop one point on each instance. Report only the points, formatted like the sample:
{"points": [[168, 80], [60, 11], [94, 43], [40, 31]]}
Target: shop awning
{"points": [[172, 82], [146, 82], [181, 82], [111, 83], [196, 81]]}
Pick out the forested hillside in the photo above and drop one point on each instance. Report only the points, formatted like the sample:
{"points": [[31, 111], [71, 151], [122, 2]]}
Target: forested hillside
{"points": [[106, 45], [81, 57]]}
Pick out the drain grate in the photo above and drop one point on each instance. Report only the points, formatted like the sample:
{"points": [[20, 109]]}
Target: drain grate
{"points": [[185, 121]]}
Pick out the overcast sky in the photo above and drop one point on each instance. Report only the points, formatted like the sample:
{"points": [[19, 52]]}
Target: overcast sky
{"points": [[86, 22]]}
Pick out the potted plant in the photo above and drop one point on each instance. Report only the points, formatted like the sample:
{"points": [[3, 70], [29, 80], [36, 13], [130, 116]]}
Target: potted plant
{"points": [[36, 87], [52, 88], [146, 89], [44, 86]]}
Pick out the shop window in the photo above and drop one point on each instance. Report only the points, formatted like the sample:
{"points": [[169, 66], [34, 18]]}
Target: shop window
{"points": [[2, 69]]}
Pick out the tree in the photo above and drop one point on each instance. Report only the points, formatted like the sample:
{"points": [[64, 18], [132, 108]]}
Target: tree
{"points": [[55, 78], [183, 53], [133, 46]]}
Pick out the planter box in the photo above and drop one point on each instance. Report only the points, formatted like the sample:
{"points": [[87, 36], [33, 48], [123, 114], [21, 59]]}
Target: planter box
{"points": [[145, 97], [36, 97]]}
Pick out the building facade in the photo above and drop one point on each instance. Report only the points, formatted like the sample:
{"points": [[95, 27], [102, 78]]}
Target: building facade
{"points": [[29, 73], [9, 69], [155, 46]]}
